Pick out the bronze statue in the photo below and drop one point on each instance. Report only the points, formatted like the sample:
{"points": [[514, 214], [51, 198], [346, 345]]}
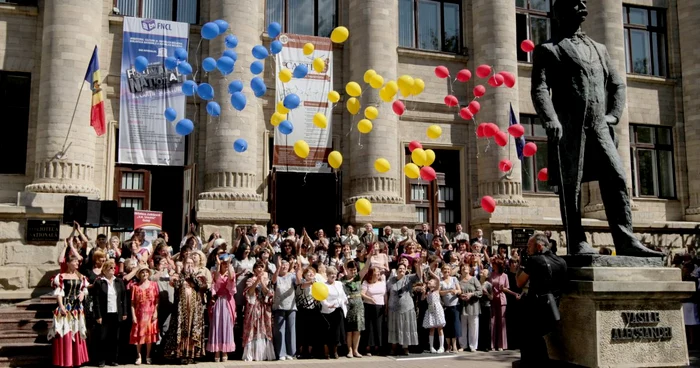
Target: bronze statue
{"points": [[587, 100]]}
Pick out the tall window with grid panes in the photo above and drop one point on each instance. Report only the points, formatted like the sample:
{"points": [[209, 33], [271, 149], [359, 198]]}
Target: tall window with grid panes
{"points": [[653, 173], [432, 25], [303, 17], [534, 132], [645, 40], [186, 11], [533, 21]]}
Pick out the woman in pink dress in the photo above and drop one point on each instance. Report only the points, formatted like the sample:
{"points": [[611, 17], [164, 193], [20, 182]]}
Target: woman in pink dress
{"points": [[68, 331], [144, 311], [222, 316], [501, 287]]}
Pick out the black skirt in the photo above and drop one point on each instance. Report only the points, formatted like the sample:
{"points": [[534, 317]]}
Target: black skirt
{"points": [[336, 327], [374, 319], [452, 326], [307, 323]]}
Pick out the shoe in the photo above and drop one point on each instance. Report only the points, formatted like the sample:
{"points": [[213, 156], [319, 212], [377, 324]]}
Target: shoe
{"points": [[148, 361], [368, 355], [357, 355], [500, 349], [441, 350], [582, 248], [335, 356], [349, 356], [114, 364], [224, 358], [289, 357], [101, 364], [216, 360], [432, 350], [138, 361], [637, 249], [282, 358]]}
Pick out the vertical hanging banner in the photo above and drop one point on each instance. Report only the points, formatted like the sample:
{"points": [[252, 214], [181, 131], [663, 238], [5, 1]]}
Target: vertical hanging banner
{"points": [[313, 92], [145, 136]]}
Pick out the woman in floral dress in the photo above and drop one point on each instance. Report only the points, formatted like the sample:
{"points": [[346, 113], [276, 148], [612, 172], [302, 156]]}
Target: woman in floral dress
{"points": [[257, 324], [355, 319], [144, 314], [68, 331]]}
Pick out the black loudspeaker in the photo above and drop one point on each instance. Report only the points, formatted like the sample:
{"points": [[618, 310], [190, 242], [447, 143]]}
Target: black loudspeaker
{"points": [[109, 213], [74, 209], [94, 208], [125, 220]]}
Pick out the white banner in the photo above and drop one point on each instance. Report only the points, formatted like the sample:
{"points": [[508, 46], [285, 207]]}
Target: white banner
{"points": [[145, 136], [313, 92]]}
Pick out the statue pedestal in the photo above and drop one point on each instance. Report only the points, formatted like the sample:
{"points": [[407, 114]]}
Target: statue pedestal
{"points": [[622, 317]]}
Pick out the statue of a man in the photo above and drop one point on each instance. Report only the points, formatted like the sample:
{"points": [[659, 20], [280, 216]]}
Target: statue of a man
{"points": [[587, 100]]}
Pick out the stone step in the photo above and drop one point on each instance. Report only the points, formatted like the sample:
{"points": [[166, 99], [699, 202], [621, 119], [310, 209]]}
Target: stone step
{"points": [[26, 361], [19, 336], [24, 349], [20, 314], [37, 325]]}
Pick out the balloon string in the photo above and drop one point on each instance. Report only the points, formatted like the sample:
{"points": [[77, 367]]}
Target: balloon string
{"points": [[196, 53]]}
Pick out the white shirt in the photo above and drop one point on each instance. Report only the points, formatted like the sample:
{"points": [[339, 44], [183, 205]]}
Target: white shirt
{"points": [[111, 297], [336, 295]]}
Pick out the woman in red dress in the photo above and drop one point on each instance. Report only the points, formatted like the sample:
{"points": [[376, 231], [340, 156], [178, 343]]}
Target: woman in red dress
{"points": [[144, 311]]}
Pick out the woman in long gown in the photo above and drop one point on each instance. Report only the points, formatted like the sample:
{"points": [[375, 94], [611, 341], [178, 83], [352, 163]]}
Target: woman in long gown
{"points": [[68, 331], [257, 324], [144, 312], [222, 317], [403, 327]]}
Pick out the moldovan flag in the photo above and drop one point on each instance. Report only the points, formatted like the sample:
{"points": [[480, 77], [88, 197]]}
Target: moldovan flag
{"points": [[97, 112]]}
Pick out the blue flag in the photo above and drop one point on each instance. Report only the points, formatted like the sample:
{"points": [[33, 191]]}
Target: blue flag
{"points": [[519, 142]]}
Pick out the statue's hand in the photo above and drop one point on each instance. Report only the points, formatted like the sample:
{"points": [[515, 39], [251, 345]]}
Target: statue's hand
{"points": [[611, 120], [554, 131]]}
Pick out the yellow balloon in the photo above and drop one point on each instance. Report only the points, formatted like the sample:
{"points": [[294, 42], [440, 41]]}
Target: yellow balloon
{"points": [[371, 112], [320, 120], [406, 82], [333, 96], [309, 48], [418, 87], [411, 170], [301, 148], [285, 75], [340, 34], [363, 207], [405, 92], [385, 95], [353, 89], [335, 159], [277, 118], [281, 109], [382, 165], [429, 157], [434, 132], [418, 156], [364, 126], [319, 65], [353, 105], [392, 87], [369, 74], [319, 291], [377, 81]]}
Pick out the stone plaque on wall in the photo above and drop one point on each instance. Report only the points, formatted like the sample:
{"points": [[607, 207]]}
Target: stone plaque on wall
{"points": [[43, 230], [521, 237]]}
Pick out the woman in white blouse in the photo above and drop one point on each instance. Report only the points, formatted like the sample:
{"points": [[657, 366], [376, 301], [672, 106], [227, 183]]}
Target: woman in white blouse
{"points": [[333, 310]]}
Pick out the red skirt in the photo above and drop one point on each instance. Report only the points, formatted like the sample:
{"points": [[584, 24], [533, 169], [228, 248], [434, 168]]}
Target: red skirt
{"points": [[69, 353]]}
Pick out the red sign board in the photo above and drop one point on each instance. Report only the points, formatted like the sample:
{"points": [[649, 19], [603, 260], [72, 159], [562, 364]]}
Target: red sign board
{"points": [[152, 220]]}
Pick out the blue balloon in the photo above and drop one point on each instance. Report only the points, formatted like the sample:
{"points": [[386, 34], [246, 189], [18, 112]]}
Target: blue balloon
{"points": [[230, 53], [258, 86], [205, 91], [213, 108], [189, 87], [209, 64], [184, 127], [184, 68], [210, 30], [235, 86], [238, 101], [222, 24], [286, 127], [291, 101], [170, 63], [141, 64], [170, 114], [231, 41], [276, 47], [274, 29], [225, 65], [300, 71], [256, 67], [180, 54], [260, 52], [240, 145]]}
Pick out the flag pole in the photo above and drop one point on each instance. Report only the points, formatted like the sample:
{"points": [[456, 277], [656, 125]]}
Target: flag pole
{"points": [[60, 154]]}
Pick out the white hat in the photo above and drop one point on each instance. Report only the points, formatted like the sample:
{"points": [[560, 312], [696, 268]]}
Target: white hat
{"points": [[219, 241]]}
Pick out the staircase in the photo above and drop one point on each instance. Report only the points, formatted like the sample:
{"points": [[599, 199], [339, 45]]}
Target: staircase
{"points": [[23, 329]]}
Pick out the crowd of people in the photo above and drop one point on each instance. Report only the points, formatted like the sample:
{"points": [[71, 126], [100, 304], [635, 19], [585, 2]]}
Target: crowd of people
{"points": [[398, 292]]}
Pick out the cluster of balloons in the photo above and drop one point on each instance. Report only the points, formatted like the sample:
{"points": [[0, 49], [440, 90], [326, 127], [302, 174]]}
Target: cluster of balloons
{"points": [[421, 159]]}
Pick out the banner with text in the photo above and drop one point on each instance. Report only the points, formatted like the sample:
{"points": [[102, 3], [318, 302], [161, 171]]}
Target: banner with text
{"points": [[313, 92], [145, 136]]}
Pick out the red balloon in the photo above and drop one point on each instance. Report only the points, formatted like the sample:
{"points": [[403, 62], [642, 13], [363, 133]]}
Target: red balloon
{"points": [[505, 165], [474, 107], [398, 107], [516, 130], [466, 114], [413, 145], [501, 138], [530, 149], [527, 46], [490, 130], [483, 71], [479, 91], [488, 204], [442, 72], [543, 175], [508, 79], [464, 75], [451, 101], [481, 130], [427, 173], [496, 80]]}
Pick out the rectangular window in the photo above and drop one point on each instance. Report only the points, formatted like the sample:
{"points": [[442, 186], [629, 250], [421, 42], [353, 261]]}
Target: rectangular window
{"points": [[174, 10], [304, 17], [15, 90], [533, 21], [645, 40], [133, 188], [434, 25], [534, 132], [652, 162]]}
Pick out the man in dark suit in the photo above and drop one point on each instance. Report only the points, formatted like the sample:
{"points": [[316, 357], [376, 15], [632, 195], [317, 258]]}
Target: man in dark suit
{"points": [[109, 309], [587, 100], [425, 238]]}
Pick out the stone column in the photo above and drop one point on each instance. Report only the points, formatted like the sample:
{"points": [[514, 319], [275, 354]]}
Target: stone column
{"points": [[688, 19], [232, 181], [494, 44], [372, 45], [71, 30], [604, 25]]}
